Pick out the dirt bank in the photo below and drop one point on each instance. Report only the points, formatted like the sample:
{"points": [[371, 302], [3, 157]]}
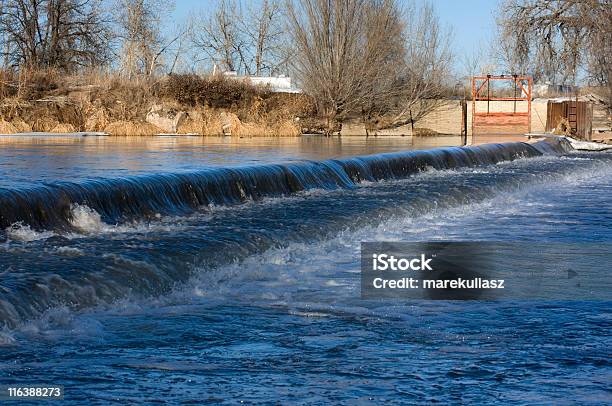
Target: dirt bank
{"points": [[181, 104]]}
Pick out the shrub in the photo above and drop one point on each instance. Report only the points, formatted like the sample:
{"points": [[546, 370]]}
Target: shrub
{"points": [[122, 99], [35, 84], [8, 84], [214, 91]]}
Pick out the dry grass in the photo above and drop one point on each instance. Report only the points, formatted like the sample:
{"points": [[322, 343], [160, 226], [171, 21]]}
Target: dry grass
{"points": [[63, 128], [424, 132], [28, 84], [214, 122], [190, 126], [202, 121], [563, 128], [8, 84], [96, 119], [215, 91], [288, 128], [12, 108], [7, 127], [98, 101], [21, 126], [131, 128], [44, 123]]}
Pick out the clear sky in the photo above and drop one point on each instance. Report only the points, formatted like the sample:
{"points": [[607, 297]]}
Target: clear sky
{"points": [[472, 21]]}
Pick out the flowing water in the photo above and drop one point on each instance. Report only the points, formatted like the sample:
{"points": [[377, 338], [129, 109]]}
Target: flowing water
{"points": [[184, 269]]}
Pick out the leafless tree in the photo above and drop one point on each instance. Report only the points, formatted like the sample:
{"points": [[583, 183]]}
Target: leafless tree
{"points": [[177, 45], [142, 41], [533, 39], [478, 61], [340, 53], [553, 38], [219, 36], [242, 37], [557, 40], [599, 49], [426, 66], [370, 58], [4, 44], [64, 34], [263, 29]]}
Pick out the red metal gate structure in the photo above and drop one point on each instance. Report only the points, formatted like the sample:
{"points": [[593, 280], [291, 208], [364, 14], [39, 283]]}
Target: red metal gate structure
{"points": [[497, 117]]}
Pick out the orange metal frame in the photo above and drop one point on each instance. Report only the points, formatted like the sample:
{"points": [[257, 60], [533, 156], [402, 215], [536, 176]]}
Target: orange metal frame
{"points": [[482, 120]]}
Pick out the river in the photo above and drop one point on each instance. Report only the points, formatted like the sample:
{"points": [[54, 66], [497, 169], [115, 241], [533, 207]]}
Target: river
{"points": [[215, 270]]}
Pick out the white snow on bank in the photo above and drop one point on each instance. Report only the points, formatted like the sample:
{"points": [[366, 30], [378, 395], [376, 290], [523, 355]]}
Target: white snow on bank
{"points": [[588, 146]]}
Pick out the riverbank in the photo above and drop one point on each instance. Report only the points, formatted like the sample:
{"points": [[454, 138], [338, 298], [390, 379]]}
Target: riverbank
{"points": [[110, 104], [175, 104]]}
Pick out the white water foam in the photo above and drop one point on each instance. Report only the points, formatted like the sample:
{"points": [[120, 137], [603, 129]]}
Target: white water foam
{"points": [[25, 233], [88, 222], [70, 251], [308, 273], [86, 219], [7, 339]]}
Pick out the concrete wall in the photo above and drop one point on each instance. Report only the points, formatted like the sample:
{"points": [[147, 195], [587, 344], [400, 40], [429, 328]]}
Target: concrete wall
{"points": [[447, 118]]}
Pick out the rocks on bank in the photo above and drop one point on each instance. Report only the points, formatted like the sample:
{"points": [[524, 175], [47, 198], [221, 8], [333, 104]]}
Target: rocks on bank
{"points": [[161, 120]]}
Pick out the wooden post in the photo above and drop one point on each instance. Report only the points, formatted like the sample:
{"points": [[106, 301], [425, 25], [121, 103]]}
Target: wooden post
{"points": [[488, 92], [473, 105], [529, 85], [411, 122], [464, 121], [514, 86]]}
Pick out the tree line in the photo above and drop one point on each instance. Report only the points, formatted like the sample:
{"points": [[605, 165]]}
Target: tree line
{"points": [[128, 36], [387, 61]]}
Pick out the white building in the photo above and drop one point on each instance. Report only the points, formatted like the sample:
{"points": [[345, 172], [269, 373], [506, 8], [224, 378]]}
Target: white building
{"points": [[547, 89], [278, 84]]}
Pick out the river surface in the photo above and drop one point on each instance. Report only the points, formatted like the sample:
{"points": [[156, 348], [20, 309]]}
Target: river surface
{"points": [[235, 276], [27, 160]]}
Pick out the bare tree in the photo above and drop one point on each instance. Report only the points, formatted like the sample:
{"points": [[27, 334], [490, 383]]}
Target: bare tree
{"points": [[241, 37], [342, 49], [369, 58], [264, 32], [556, 40], [178, 45], [142, 41], [534, 40], [552, 37], [220, 37], [4, 43], [65, 34], [426, 66], [477, 62], [599, 49]]}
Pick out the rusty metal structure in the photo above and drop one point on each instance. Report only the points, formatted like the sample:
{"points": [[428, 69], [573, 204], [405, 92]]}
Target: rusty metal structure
{"points": [[488, 121]]}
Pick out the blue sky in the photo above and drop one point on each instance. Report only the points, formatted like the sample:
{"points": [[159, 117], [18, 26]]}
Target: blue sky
{"points": [[472, 21]]}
